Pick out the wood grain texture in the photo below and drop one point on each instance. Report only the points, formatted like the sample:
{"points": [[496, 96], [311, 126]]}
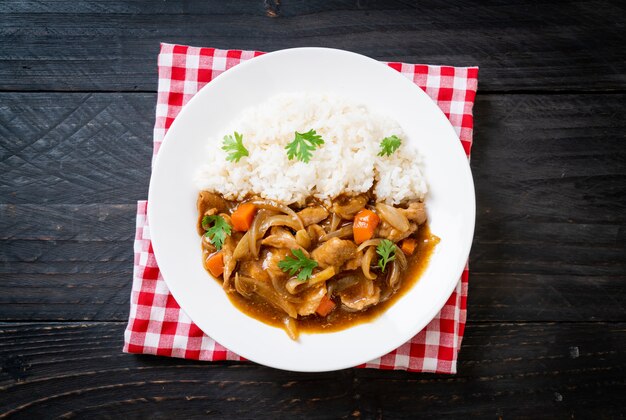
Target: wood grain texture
{"points": [[504, 297], [505, 370], [112, 46], [67, 222], [66, 149], [75, 149], [547, 302], [550, 178]]}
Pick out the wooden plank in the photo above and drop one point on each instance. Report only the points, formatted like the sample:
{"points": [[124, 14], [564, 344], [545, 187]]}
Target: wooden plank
{"points": [[76, 148], [505, 370], [549, 173], [80, 296], [103, 295], [51, 275], [546, 297], [550, 159], [559, 158], [588, 259], [90, 280], [67, 222], [527, 45], [514, 371]]}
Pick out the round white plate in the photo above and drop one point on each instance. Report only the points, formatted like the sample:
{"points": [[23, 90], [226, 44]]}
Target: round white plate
{"points": [[172, 211]]}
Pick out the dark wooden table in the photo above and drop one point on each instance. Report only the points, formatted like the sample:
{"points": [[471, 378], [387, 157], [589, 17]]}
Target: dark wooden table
{"points": [[546, 334]]}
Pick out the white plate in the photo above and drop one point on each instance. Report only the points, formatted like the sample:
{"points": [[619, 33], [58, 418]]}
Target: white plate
{"points": [[172, 211]]}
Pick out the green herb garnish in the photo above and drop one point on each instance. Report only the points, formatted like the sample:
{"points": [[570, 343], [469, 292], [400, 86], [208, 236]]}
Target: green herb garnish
{"points": [[218, 231], [234, 147], [302, 263], [303, 144], [387, 251], [389, 145]]}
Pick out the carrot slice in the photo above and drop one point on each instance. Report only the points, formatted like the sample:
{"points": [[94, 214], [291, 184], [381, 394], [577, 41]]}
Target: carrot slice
{"points": [[325, 307], [365, 223], [215, 264], [408, 246], [243, 216]]}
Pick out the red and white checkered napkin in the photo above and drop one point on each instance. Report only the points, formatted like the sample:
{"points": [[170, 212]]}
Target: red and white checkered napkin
{"points": [[157, 325]]}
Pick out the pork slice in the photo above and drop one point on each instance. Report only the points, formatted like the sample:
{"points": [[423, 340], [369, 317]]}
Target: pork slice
{"points": [[360, 296], [311, 300], [415, 212], [282, 238], [347, 208], [386, 231], [271, 259], [334, 252], [312, 215]]}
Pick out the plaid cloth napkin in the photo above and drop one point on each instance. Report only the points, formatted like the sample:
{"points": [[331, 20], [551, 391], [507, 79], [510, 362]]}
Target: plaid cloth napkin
{"points": [[157, 325]]}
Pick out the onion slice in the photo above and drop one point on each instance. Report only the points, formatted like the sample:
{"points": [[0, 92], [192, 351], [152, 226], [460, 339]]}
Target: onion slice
{"points": [[273, 205], [397, 265], [278, 220], [303, 239], [334, 222], [242, 249], [367, 261], [344, 232], [393, 279], [291, 328], [295, 286], [339, 285], [401, 258], [243, 288], [255, 231], [251, 285], [369, 242], [393, 216], [280, 288]]}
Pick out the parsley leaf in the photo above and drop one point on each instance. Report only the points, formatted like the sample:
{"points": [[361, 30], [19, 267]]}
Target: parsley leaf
{"points": [[234, 147], [389, 145], [218, 232], [387, 251], [303, 144], [302, 263]]}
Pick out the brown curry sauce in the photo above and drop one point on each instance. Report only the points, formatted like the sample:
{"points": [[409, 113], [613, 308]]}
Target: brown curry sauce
{"points": [[340, 319]]}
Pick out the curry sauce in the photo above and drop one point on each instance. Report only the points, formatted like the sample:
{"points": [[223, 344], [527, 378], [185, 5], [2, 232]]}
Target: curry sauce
{"points": [[317, 267], [339, 320]]}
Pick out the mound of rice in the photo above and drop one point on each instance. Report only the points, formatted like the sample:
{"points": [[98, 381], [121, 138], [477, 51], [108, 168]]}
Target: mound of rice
{"points": [[346, 164]]}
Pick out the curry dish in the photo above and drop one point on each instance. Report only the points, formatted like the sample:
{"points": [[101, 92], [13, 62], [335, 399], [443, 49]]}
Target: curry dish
{"points": [[317, 267]]}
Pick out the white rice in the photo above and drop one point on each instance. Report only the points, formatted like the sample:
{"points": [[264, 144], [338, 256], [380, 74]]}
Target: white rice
{"points": [[346, 163]]}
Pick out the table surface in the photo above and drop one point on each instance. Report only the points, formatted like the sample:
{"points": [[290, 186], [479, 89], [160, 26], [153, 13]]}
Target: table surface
{"points": [[546, 333]]}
